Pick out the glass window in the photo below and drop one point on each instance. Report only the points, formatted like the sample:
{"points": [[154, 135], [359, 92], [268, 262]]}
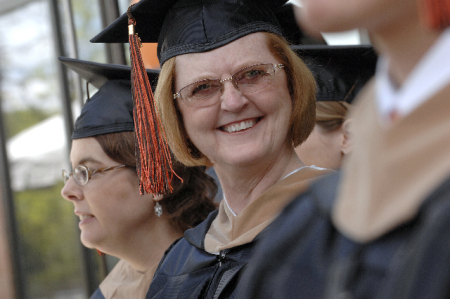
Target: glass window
{"points": [[53, 263], [87, 22], [49, 247]]}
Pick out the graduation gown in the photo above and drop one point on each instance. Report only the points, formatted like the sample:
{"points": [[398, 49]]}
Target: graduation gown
{"points": [[124, 282], [211, 258], [379, 230]]}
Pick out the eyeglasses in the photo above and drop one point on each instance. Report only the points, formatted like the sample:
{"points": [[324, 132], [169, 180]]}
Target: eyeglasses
{"points": [[81, 174], [248, 80]]}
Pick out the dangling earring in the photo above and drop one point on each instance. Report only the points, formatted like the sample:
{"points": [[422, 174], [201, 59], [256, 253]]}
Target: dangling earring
{"points": [[158, 209], [100, 253], [435, 14]]}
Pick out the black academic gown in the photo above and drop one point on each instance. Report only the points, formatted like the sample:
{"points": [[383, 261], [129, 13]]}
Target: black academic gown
{"points": [[97, 295], [302, 255], [188, 271]]}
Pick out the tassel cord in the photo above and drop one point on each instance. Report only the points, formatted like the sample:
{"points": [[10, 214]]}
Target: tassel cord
{"points": [[154, 162]]}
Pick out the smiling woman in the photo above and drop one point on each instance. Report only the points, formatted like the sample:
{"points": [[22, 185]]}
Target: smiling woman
{"points": [[104, 187], [232, 95]]}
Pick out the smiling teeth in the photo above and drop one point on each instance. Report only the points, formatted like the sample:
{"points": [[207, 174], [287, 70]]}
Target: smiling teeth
{"points": [[239, 127], [83, 217]]}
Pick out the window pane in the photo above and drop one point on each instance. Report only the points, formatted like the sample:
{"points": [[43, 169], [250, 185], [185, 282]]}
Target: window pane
{"points": [[49, 238], [87, 21]]}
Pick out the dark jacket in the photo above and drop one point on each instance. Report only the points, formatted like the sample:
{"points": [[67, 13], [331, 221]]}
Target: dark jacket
{"points": [[302, 255], [188, 271], [97, 295]]}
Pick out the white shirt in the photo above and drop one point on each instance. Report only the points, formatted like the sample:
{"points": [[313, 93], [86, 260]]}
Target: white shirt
{"points": [[429, 76]]}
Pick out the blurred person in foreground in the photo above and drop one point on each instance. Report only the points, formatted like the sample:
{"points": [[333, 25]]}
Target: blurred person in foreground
{"points": [[104, 187], [232, 95], [380, 228], [340, 73]]}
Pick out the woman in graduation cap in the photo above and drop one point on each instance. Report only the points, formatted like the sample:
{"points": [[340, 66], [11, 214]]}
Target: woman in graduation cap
{"points": [[383, 230], [330, 141], [233, 95], [340, 73], [104, 187]]}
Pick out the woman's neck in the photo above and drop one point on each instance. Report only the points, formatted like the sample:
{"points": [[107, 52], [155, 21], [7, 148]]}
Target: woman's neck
{"points": [[242, 185], [404, 43], [144, 248]]}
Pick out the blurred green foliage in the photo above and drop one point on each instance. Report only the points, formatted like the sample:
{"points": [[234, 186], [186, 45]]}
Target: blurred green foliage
{"points": [[19, 120], [50, 241]]}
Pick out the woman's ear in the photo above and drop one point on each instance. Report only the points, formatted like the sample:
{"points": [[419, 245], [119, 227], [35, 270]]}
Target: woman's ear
{"points": [[347, 140]]}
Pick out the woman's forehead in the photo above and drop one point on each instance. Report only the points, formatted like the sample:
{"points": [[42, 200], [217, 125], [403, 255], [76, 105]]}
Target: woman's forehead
{"points": [[250, 49], [87, 150]]}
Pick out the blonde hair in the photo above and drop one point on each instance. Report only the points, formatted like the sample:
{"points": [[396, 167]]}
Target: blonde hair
{"points": [[331, 115], [302, 88]]}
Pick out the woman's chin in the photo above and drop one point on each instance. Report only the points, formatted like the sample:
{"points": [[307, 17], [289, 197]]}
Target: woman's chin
{"points": [[90, 241]]}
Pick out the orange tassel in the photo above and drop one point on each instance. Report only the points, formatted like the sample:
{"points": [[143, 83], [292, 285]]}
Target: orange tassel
{"points": [[154, 163], [435, 14]]}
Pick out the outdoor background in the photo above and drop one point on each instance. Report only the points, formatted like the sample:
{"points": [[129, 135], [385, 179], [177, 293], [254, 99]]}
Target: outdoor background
{"points": [[49, 257]]}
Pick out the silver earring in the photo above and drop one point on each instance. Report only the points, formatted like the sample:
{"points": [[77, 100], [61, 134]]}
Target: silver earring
{"points": [[158, 209]]}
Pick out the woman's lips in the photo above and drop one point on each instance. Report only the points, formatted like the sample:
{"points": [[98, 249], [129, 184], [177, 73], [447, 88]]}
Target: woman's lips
{"points": [[84, 218], [240, 126]]}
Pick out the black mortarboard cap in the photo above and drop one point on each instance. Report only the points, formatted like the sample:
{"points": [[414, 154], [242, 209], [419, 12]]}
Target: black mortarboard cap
{"points": [[194, 26], [340, 71], [110, 109]]}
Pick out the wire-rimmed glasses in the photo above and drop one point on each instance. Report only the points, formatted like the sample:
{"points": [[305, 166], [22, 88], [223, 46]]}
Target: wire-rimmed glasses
{"points": [[248, 80], [81, 174]]}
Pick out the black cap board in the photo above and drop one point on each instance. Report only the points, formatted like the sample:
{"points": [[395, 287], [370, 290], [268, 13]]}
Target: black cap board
{"points": [[340, 71], [110, 109], [194, 26]]}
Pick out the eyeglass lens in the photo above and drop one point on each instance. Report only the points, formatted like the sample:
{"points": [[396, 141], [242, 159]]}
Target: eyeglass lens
{"points": [[248, 80], [80, 175]]}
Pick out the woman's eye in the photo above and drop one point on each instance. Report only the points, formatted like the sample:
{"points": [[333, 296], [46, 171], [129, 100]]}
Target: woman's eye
{"points": [[251, 76], [254, 73], [201, 88], [204, 89]]}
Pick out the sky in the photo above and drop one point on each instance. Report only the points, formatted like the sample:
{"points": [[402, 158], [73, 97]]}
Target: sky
{"points": [[26, 53]]}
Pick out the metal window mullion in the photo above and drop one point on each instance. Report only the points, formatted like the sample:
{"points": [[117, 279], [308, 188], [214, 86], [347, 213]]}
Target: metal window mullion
{"points": [[91, 278], [109, 10], [72, 47], [10, 215]]}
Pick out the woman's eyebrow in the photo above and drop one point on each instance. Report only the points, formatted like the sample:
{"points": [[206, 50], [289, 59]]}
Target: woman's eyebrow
{"points": [[236, 68], [86, 160], [203, 78]]}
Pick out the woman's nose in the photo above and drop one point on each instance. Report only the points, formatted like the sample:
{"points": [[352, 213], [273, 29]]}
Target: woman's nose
{"points": [[71, 191], [232, 99]]}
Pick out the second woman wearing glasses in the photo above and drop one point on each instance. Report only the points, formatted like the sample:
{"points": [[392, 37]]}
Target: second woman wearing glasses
{"points": [[232, 95], [104, 187]]}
